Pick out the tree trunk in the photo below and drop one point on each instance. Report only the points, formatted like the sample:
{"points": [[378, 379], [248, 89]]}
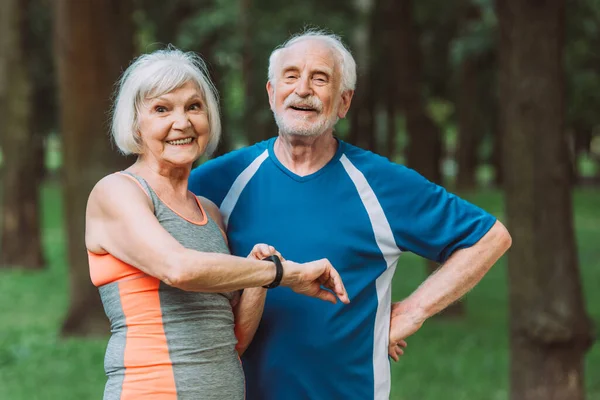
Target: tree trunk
{"points": [[391, 128], [21, 237], [94, 43], [424, 151], [469, 124], [43, 75], [549, 328], [250, 89], [362, 125]]}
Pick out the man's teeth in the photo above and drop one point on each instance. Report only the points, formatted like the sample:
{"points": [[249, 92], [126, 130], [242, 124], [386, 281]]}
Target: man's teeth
{"points": [[181, 141], [302, 108]]}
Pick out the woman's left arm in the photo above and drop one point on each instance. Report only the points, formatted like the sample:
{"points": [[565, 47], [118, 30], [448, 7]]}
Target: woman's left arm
{"points": [[247, 304]]}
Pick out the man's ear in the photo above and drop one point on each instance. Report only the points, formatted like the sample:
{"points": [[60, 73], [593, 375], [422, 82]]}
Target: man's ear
{"points": [[271, 93], [345, 103]]}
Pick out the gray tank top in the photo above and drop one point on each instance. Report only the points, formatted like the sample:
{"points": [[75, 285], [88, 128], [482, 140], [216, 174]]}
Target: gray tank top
{"points": [[166, 341]]}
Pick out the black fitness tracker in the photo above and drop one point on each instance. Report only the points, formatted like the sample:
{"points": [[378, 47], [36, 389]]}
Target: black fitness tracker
{"points": [[278, 271]]}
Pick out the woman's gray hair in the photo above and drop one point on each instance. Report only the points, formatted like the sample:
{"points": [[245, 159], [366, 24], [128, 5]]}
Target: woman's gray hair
{"points": [[346, 61], [152, 75]]}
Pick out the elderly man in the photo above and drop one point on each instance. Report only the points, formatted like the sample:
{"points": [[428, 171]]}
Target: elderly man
{"points": [[312, 195]]}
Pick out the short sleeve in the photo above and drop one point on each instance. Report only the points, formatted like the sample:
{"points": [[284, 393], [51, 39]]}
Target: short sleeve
{"points": [[425, 218], [214, 178]]}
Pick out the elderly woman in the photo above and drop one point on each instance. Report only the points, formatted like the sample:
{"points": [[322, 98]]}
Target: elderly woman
{"points": [[159, 256]]}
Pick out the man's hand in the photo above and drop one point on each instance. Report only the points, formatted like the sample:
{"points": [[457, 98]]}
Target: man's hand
{"points": [[403, 323], [261, 251]]}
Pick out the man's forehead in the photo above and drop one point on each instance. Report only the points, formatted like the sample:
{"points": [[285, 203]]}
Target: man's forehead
{"points": [[312, 50]]}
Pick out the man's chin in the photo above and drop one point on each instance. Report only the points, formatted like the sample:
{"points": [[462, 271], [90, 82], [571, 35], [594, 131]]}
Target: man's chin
{"points": [[297, 132]]}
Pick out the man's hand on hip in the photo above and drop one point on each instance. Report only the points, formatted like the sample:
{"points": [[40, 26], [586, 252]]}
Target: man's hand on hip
{"points": [[403, 323]]}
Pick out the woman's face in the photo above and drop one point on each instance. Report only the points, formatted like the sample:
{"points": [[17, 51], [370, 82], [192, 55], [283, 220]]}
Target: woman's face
{"points": [[174, 127]]}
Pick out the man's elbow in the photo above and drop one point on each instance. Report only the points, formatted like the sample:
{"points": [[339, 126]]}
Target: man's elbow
{"points": [[499, 238], [505, 240]]}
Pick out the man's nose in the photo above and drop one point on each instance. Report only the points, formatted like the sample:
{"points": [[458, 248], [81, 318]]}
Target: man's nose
{"points": [[303, 88]]}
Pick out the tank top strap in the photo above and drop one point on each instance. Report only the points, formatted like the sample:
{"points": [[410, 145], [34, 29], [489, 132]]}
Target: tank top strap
{"points": [[156, 203]]}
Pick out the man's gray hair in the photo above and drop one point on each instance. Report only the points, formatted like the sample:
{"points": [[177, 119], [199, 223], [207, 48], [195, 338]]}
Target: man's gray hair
{"points": [[152, 75], [345, 59]]}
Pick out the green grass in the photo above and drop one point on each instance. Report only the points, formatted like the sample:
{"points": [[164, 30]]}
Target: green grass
{"points": [[450, 360]]}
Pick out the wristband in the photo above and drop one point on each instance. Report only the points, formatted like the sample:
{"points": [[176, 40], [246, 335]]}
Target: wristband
{"points": [[278, 271]]}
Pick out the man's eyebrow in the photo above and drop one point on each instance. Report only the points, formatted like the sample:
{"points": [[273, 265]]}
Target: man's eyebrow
{"points": [[324, 71], [288, 68]]}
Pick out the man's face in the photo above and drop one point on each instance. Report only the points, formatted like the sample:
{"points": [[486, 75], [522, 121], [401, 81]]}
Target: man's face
{"points": [[305, 93]]}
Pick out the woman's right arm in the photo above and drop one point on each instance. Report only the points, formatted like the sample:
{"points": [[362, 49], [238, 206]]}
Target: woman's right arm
{"points": [[120, 221]]}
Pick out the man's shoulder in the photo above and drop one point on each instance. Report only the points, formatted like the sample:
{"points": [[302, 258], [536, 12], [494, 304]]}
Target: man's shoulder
{"points": [[370, 163], [234, 161], [214, 177]]}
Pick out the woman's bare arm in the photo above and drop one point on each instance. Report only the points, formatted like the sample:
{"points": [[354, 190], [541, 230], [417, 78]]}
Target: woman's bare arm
{"points": [[120, 221]]}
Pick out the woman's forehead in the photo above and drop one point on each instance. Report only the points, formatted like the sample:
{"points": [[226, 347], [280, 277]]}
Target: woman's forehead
{"points": [[189, 89]]}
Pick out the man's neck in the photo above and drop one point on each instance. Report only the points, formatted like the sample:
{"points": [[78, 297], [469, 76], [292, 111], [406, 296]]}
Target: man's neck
{"points": [[305, 155]]}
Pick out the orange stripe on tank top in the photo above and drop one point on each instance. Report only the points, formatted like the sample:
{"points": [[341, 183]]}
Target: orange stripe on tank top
{"points": [[146, 343]]}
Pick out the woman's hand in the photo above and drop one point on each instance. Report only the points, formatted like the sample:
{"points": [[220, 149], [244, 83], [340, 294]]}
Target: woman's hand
{"points": [[313, 278], [310, 279]]}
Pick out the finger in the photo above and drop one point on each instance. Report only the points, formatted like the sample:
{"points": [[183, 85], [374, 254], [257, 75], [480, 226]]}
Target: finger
{"points": [[338, 285], [399, 351], [256, 251], [264, 250], [393, 355], [402, 343], [326, 296]]}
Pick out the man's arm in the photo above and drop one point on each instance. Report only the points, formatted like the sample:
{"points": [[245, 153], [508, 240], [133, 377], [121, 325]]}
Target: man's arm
{"points": [[247, 313], [459, 274]]}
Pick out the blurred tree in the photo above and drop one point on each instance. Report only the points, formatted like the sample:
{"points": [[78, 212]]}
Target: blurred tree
{"points": [[424, 150], [21, 146], [583, 80], [366, 54], [470, 118], [549, 328], [41, 67], [93, 44], [251, 85], [475, 94]]}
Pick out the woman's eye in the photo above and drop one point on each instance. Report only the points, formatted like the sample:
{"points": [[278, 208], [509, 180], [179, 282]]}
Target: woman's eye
{"points": [[196, 106], [160, 109]]}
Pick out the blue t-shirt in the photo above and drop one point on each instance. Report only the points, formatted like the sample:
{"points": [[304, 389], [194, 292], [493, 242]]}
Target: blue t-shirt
{"points": [[361, 212]]}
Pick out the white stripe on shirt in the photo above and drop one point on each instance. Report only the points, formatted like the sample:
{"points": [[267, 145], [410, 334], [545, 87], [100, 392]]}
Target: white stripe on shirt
{"points": [[238, 186], [387, 244]]}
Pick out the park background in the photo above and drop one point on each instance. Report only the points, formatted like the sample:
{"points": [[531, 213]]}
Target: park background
{"points": [[496, 100]]}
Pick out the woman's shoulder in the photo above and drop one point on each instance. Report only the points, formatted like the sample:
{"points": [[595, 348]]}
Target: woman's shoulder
{"points": [[212, 210], [115, 189]]}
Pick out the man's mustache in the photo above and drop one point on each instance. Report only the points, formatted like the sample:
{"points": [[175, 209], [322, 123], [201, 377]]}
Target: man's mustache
{"points": [[294, 100]]}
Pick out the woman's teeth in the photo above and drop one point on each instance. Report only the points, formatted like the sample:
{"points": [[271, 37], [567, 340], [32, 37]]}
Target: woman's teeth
{"points": [[180, 141]]}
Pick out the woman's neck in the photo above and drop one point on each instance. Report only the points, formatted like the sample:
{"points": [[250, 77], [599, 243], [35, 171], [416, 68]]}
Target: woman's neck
{"points": [[163, 177]]}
